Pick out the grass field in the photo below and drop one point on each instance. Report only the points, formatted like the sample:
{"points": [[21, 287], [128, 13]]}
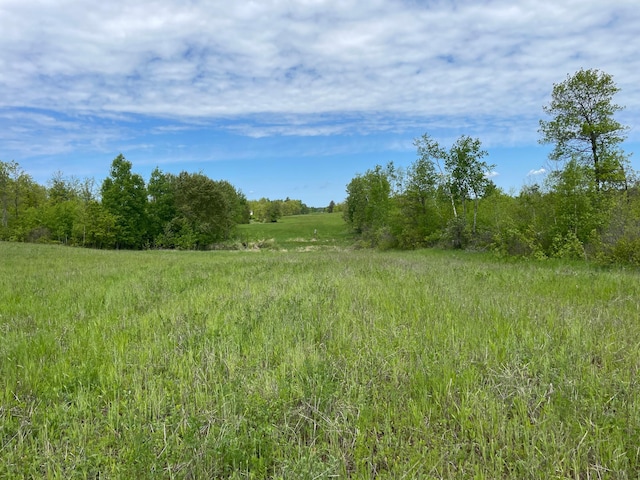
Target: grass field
{"points": [[321, 231], [320, 364]]}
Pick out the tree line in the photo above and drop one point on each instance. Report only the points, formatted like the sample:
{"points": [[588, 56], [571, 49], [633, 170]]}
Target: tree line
{"points": [[587, 207], [184, 211], [265, 210]]}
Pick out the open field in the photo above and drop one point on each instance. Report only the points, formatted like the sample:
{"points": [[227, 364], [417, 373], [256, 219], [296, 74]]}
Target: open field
{"points": [[296, 232], [322, 364]]}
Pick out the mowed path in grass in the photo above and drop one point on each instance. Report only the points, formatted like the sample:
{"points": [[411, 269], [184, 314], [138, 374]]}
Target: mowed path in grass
{"points": [[322, 364]]}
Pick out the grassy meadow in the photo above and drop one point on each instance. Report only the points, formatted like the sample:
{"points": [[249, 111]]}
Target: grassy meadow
{"points": [[315, 364], [320, 231]]}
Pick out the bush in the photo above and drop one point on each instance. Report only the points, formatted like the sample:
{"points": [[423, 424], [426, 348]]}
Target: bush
{"points": [[39, 235], [568, 247], [517, 243], [457, 233], [385, 240]]}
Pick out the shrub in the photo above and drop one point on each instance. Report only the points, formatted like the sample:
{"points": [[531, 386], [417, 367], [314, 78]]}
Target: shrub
{"points": [[568, 247], [457, 233]]}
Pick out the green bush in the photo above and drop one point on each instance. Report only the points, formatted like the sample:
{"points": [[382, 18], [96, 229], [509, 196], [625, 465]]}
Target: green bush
{"points": [[568, 247], [457, 233]]}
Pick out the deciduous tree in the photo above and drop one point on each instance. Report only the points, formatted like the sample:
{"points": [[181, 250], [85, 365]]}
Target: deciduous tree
{"points": [[368, 202], [468, 173], [125, 197], [418, 207], [583, 126], [463, 175], [162, 201], [204, 211]]}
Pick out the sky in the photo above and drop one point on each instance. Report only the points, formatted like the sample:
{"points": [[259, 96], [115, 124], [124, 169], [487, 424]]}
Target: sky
{"points": [[294, 98]]}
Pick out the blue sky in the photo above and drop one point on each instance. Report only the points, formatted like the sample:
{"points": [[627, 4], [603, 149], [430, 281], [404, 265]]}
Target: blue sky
{"points": [[294, 98]]}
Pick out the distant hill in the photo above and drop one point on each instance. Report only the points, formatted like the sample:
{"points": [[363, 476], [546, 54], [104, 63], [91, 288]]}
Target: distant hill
{"points": [[300, 232]]}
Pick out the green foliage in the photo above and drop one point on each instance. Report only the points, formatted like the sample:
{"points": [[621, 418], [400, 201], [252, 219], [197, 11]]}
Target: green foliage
{"points": [[60, 219], [100, 228], [71, 215], [467, 173], [328, 364], [124, 196], [293, 207], [568, 246], [625, 251], [432, 155], [514, 242], [588, 209], [407, 209], [185, 211], [457, 233], [192, 211], [620, 238], [204, 211], [18, 194], [238, 205], [583, 128], [573, 201], [368, 202], [162, 201], [4, 193], [273, 211], [419, 212], [265, 210], [61, 190]]}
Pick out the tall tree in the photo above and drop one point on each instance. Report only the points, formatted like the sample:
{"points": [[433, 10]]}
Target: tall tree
{"points": [[125, 197], [571, 201], [418, 215], [429, 151], [463, 173], [62, 209], [368, 202], [238, 206], [583, 127], [468, 173], [61, 189], [204, 211], [162, 202], [100, 231], [274, 210], [12, 185], [85, 197], [18, 193]]}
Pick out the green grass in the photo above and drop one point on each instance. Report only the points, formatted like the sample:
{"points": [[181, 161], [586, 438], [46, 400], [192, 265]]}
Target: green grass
{"points": [[322, 231], [321, 364]]}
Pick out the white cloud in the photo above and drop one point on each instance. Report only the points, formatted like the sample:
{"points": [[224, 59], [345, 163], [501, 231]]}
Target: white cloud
{"points": [[369, 66], [540, 171]]}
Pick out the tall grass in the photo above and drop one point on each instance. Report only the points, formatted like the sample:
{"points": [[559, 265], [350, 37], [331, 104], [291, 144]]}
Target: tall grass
{"points": [[345, 364]]}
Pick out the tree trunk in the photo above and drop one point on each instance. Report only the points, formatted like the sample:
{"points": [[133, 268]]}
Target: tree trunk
{"points": [[453, 205], [596, 161], [475, 214]]}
